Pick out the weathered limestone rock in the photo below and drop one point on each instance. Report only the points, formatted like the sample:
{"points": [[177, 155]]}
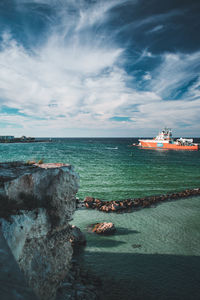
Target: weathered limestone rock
{"points": [[36, 203], [13, 284], [46, 185], [77, 237]]}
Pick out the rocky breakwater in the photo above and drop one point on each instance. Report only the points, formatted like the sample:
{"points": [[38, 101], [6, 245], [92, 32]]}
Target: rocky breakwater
{"points": [[127, 205], [36, 204]]}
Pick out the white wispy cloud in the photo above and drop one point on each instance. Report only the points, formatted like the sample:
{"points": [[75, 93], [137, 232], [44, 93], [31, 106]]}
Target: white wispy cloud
{"points": [[147, 76], [175, 71], [64, 83], [156, 28], [73, 80], [96, 13]]}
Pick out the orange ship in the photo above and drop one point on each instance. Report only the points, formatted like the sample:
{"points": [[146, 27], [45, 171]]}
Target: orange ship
{"points": [[164, 140]]}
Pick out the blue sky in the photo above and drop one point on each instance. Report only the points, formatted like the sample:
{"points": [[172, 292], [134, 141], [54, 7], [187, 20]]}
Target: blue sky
{"points": [[99, 68]]}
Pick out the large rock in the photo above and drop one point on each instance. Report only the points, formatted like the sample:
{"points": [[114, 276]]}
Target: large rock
{"points": [[103, 228], [36, 203], [52, 186]]}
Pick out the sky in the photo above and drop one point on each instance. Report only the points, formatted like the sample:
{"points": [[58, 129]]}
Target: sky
{"points": [[99, 68]]}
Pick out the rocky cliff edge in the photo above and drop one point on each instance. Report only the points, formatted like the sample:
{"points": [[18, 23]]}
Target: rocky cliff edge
{"points": [[36, 204]]}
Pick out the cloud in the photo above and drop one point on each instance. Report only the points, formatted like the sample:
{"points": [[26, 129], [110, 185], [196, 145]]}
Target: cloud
{"points": [[80, 80], [153, 18], [58, 88], [62, 77], [147, 76], [175, 73], [156, 29], [95, 14]]}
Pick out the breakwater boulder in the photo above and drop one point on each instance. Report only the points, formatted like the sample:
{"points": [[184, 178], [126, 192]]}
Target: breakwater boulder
{"points": [[36, 204], [127, 205]]}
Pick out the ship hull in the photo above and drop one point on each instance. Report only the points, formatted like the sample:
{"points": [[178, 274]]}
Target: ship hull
{"points": [[164, 145]]}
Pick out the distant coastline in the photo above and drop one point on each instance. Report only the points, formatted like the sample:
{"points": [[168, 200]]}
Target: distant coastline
{"points": [[23, 139]]}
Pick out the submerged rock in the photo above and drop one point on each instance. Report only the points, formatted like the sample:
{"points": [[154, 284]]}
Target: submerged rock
{"points": [[136, 246]]}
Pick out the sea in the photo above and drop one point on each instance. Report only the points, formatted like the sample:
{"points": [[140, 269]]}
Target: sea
{"points": [[155, 252]]}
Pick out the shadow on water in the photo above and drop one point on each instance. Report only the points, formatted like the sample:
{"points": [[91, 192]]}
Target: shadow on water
{"points": [[146, 276], [125, 231], [120, 231], [105, 243]]}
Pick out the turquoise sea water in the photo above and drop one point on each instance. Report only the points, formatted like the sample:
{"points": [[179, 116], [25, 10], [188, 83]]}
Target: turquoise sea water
{"points": [[166, 264]]}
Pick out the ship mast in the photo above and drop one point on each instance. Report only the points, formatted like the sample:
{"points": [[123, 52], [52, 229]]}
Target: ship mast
{"points": [[165, 134]]}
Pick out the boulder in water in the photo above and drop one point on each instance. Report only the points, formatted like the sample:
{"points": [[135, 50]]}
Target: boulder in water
{"points": [[89, 202], [103, 228]]}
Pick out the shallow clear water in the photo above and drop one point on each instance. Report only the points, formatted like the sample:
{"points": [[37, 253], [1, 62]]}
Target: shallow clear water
{"points": [[166, 264]]}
